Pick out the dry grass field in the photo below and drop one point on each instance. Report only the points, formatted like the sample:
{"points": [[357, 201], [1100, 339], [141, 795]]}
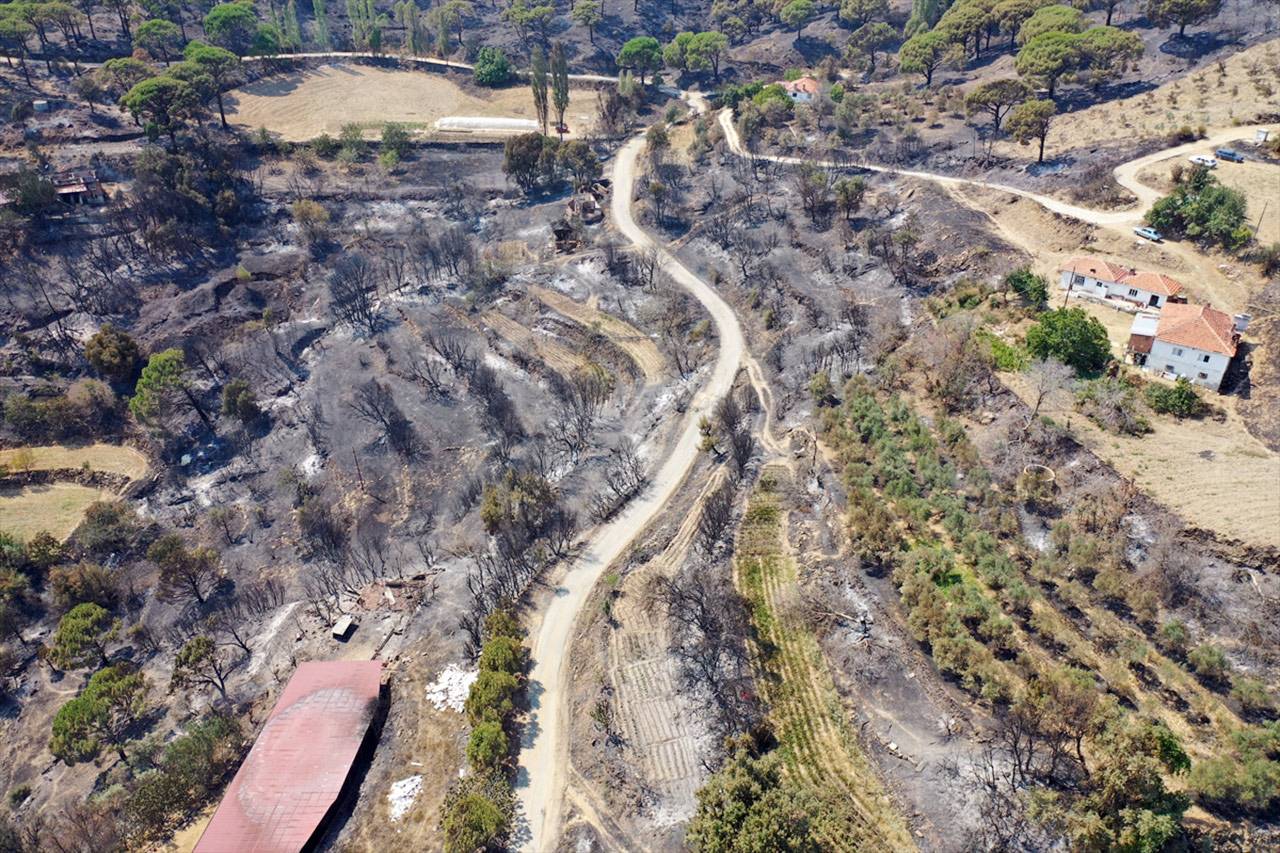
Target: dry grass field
{"points": [[110, 458], [1213, 473], [1241, 89], [56, 507], [301, 105]]}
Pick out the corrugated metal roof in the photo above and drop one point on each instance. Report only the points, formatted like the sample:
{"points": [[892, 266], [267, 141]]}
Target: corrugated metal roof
{"points": [[296, 769]]}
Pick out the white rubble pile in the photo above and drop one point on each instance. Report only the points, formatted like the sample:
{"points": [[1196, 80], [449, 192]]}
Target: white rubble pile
{"points": [[451, 687], [402, 795]]}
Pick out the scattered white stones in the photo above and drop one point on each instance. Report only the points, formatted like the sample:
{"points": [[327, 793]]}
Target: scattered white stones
{"points": [[402, 795], [451, 687]]}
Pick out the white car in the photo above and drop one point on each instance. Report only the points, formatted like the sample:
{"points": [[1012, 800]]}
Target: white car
{"points": [[1204, 160]]}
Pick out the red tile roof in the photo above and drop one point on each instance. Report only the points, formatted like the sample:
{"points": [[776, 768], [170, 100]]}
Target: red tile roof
{"points": [[294, 774], [808, 85], [1197, 326], [1153, 282], [1096, 268]]}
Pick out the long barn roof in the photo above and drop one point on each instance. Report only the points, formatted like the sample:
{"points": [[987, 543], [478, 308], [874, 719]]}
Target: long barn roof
{"points": [[295, 771]]}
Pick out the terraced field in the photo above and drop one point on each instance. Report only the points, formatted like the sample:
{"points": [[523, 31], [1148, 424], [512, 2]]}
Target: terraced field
{"points": [[819, 747]]}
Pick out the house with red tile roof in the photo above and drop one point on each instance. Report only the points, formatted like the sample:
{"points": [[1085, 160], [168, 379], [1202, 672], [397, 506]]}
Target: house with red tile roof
{"points": [[1103, 279], [802, 90], [1192, 341]]}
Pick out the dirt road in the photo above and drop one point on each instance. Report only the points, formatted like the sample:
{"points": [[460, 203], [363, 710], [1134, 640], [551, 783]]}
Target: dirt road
{"points": [[1125, 174], [544, 757]]}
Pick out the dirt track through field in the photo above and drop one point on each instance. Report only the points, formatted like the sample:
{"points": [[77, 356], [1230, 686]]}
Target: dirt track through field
{"points": [[544, 760], [641, 349]]}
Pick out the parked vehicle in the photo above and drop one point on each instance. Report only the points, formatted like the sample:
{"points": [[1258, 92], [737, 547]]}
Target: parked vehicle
{"points": [[1204, 160], [1147, 233], [1229, 154]]}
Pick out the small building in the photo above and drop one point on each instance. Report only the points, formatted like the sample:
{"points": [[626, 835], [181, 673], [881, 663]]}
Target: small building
{"points": [[1102, 279], [1196, 342], [299, 771], [343, 627], [801, 91], [79, 186]]}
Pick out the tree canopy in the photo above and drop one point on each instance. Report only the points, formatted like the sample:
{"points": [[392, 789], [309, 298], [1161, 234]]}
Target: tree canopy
{"points": [[1071, 336]]}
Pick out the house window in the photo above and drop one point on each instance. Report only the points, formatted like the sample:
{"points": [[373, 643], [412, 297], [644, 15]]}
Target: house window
{"points": [[1077, 279], [1133, 291], [1203, 375], [1168, 368], [1205, 359], [1177, 351]]}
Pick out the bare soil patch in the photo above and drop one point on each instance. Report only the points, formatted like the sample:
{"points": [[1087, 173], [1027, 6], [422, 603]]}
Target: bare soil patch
{"points": [[303, 104]]}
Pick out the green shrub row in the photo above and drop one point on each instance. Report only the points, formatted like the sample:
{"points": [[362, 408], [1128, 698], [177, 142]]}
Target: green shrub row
{"points": [[479, 809]]}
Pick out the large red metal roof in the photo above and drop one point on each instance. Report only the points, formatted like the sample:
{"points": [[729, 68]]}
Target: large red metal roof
{"points": [[296, 768]]}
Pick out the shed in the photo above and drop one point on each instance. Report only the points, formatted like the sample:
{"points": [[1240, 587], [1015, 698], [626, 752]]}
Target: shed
{"points": [[343, 627]]}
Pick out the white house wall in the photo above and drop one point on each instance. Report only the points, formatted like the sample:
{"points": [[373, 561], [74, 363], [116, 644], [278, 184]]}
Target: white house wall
{"points": [[1110, 290], [1189, 362]]}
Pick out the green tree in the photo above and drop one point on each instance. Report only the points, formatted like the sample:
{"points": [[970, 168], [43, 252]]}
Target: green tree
{"points": [[581, 162], [492, 697], [492, 67], [996, 98], [1106, 52], [113, 353], [112, 704], [166, 102], [219, 63], [796, 14], [522, 159], [641, 55], [868, 40], [674, 55], [849, 195], [1071, 336], [559, 83], [233, 26], [1184, 13], [924, 14], [748, 805], [1010, 15], [163, 379], [1179, 399], [160, 38], [88, 87], [586, 13], [200, 663], [82, 637], [477, 814], [924, 54], [487, 748], [15, 37], [857, 13], [538, 82], [1049, 57], [1031, 120], [186, 574], [1052, 19], [705, 51], [1203, 209], [1031, 288]]}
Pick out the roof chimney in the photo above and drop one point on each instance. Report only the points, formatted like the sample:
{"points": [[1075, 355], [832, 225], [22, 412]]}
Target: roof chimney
{"points": [[1241, 322]]}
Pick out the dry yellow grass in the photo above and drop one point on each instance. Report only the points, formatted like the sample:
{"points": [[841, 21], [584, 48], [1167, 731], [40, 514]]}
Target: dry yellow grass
{"points": [[56, 507], [1212, 473], [110, 458], [301, 105], [1247, 89], [642, 350]]}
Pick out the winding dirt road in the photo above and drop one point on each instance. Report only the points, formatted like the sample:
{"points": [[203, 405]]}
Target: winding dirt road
{"points": [[1126, 174], [544, 757]]}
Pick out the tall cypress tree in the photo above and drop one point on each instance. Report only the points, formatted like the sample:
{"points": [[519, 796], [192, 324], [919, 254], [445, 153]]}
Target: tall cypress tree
{"points": [[559, 83], [538, 79]]}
